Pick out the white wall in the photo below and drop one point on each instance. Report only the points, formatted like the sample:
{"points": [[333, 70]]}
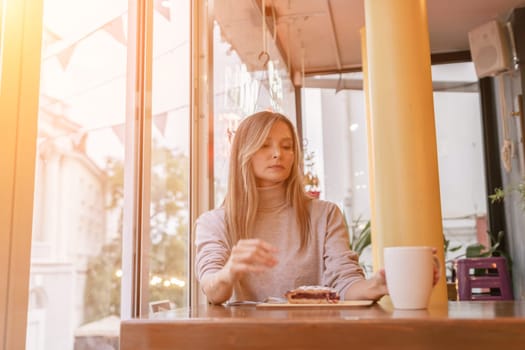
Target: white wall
{"points": [[336, 141], [460, 154]]}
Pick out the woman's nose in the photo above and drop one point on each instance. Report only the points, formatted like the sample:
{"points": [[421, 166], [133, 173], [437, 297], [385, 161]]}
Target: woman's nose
{"points": [[276, 152]]}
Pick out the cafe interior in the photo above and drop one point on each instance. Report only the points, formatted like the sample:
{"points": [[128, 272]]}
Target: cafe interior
{"points": [[117, 119]]}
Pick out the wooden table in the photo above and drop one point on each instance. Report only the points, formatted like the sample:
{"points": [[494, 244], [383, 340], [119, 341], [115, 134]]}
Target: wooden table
{"points": [[459, 325]]}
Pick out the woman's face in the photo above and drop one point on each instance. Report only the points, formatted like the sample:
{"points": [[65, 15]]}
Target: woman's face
{"points": [[273, 162]]}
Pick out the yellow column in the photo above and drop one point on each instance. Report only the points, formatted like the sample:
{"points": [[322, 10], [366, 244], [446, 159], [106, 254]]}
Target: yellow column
{"points": [[376, 239], [406, 181], [20, 47]]}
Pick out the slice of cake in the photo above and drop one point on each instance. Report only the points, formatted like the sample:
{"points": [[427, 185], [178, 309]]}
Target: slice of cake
{"points": [[312, 295]]}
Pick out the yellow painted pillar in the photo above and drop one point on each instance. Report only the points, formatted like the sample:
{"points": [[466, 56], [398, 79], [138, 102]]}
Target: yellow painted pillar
{"points": [[406, 181], [377, 239], [20, 48]]}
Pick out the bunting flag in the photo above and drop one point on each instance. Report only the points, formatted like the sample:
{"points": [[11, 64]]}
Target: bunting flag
{"points": [[160, 121], [120, 131], [49, 37], [163, 7], [64, 56], [79, 141], [116, 29]]}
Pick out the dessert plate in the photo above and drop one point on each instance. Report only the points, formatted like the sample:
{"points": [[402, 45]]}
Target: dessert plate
{"points": [[344, 303]]}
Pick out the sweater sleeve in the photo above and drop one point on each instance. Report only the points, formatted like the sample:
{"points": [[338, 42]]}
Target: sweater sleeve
{"points": [[212, 249], [341, 265]]}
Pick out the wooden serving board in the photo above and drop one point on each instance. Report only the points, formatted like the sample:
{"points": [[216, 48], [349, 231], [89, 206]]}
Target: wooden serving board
{"points": [[345, 303]]}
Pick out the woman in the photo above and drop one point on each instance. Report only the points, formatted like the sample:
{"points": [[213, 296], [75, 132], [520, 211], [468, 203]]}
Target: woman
{"points": [[270, 236]]}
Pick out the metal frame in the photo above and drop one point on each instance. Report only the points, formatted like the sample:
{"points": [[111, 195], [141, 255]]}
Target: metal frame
{"points": [[135, 238]]}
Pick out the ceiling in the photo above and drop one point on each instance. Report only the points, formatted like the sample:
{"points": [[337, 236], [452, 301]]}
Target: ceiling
{"points": [[323, 35]]}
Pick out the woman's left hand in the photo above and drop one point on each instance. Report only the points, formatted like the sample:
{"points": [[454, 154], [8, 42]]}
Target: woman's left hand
{"points": [[375, 287], [437, 267]]}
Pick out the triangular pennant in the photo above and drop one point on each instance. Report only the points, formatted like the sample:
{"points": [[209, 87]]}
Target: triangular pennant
{"points": [[65, 55], [160, 121], [116, 29], [49, 37], [163, 7], [79, 142], [120, 131]]}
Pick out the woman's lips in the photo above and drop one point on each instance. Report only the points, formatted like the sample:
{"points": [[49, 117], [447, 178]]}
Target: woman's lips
{"points": [[276, 167]]}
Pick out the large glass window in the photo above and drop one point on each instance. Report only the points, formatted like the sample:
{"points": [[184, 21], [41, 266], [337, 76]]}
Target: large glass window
{"points": [[76, 264], [77, 222]]}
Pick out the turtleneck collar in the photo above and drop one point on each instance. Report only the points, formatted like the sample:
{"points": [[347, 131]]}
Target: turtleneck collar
{"points": [[272, 197]]}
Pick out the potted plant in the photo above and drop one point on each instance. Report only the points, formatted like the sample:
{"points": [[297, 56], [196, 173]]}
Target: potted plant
{"points": [[361, 239], [311, 181], [500, 193]]}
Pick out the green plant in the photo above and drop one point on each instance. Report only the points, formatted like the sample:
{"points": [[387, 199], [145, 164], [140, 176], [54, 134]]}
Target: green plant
{"points": [[362, 239], [311, 180], [500, 193], [478, 250], [447, 248]]}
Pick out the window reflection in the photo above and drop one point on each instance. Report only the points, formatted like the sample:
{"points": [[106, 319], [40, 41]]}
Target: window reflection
{"points": [[248, 77]]}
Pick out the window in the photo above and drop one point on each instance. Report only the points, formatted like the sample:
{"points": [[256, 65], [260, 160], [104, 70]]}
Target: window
{"points": [[76, 264], [169, 163], [77, 217]]}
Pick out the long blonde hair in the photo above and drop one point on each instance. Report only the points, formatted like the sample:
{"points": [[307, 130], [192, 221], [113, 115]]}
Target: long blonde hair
{"points": [[241, 201]]}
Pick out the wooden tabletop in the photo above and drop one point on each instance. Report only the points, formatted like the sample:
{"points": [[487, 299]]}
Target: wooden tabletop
{"points": [[458, 325]]}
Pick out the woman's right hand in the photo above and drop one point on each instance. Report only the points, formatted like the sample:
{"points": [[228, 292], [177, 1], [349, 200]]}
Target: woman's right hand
{"points": [[247, 256], [250, 256]]}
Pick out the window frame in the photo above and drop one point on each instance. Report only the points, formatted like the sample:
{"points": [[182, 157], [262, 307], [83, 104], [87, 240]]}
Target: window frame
{"points": [[135, 238], [137, 187]]}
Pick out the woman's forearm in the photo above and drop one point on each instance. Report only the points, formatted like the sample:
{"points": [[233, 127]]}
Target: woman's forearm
{"points": [[217, 287]]}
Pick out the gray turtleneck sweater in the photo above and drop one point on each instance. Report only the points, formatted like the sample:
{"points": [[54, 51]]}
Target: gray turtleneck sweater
{"points": [[327, 260]]}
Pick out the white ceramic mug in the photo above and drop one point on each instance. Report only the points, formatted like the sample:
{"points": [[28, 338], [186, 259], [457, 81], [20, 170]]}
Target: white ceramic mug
{"points": [[409, 275]]}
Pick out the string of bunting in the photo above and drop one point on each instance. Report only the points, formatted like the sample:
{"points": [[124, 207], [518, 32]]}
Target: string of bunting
{"points": [[114, 27]]}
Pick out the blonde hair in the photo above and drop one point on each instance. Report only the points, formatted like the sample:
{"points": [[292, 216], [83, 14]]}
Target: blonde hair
{"points": [[241, 201]]}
